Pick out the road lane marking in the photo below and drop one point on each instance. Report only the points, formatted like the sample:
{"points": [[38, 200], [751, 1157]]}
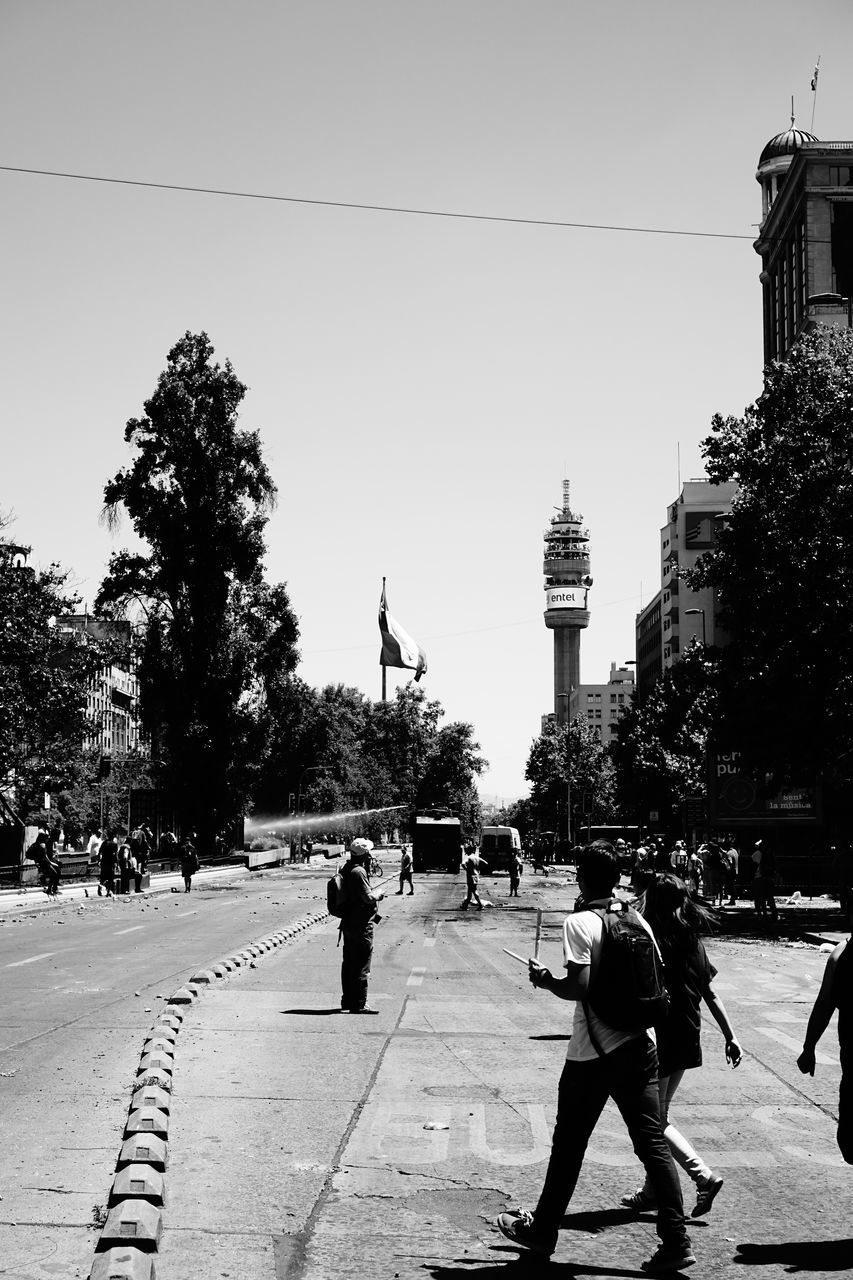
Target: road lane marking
{"points": [[773, 1033], [31, 960], [183, 914], [416, 977], [429, 942], [132, 929]]}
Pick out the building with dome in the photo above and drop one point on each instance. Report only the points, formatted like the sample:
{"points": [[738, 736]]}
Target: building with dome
{"points": [[805, 238]]}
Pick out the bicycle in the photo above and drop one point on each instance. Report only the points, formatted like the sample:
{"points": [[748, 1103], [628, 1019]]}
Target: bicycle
{"points": [[374, 869]]}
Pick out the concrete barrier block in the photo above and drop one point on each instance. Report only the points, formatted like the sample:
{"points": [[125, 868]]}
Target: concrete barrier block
{"points": [[138, 1182], [203, 977], [220, 970], [163, 1031], [133, 1220], [158, 1061], [173, 1016], [144, 1148], [155, 1076], [184, 995], [157, 1045], [125, 1262], [151, 1095], [147, 1120]]}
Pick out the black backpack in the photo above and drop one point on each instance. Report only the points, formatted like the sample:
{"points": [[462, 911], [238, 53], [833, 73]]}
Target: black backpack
{"points": [[626, 987], [336, 894]]}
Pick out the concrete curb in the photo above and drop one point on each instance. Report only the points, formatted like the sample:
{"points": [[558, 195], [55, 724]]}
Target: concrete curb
{"points": [[130, 1239]]}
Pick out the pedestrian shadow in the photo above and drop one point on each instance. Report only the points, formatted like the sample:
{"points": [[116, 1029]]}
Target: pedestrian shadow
{"points": [[315, 1013], [818, 1256], [525, 1267], [554, 1037], [594, 1221]]}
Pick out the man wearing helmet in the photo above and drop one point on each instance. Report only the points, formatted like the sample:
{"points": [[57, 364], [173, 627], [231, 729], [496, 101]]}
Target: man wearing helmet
{"points": [[357, 928]]}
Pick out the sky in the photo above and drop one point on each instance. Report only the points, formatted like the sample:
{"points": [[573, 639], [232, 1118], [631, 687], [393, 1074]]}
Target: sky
{"points": [[421, 384]]}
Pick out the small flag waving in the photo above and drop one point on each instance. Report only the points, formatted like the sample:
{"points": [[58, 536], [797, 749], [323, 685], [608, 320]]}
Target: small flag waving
{"points": [[816, 74], [398, 647]]}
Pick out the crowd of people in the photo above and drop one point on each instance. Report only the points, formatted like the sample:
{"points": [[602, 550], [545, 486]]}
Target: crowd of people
{"points": [[122, 857]]}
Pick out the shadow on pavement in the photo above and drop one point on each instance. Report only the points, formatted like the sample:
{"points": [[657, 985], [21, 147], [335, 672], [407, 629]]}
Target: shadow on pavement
{"points": [[317, 1013], [818, 1256], [554, 1037], [596, 1220], [525, 1267]]}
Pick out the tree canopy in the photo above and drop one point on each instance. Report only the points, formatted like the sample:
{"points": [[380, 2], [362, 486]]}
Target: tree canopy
{"points": [[782, 566], [44, 675], [560, 753]]}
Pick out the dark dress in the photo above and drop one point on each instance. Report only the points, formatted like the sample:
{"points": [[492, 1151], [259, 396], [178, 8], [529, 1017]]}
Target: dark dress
{"points": [[357, 934], [688, 973], [842, 996]]}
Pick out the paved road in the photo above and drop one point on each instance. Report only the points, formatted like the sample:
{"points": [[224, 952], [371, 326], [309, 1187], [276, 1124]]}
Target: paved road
{"points": [[307, 1144], [81, 984]]}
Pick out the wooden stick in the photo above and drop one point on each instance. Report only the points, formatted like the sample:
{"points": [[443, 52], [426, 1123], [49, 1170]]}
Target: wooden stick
{"points": [[538, 933], [515, 956]]}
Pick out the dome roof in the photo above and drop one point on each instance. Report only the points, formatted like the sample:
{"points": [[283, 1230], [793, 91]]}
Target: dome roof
{"points": [[785, 144]]}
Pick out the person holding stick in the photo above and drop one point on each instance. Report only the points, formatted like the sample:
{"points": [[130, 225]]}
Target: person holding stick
{"points": [[602, 1062]]}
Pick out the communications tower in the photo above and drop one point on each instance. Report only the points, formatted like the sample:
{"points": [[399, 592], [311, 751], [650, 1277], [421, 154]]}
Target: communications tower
{"points": [[567, 582]]}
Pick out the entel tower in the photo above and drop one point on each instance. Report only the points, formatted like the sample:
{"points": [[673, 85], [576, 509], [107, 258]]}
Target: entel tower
{"points": [[567, 581]]}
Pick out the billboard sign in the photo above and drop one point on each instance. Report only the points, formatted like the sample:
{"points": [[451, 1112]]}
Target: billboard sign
{"points": [[699, 530], [735, 797], [565, 597]]}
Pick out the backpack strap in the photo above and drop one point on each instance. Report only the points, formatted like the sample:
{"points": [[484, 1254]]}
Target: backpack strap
{"points": [[593, 1038]]}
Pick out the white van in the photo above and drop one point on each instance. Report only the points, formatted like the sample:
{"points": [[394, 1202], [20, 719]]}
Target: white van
{"points": [[498, 846]]}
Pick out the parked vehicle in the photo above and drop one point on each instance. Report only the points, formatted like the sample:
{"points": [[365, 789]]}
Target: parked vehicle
{"points": [[498, 846]]}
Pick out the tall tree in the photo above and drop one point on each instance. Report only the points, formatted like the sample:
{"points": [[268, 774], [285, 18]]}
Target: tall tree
{"points": [[562, 753], [660, 749], [198, 495], [782, 567]]}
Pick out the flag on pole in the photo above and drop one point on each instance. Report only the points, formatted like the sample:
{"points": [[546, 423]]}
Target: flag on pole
{"points": [[815, 76], [398, 647]]}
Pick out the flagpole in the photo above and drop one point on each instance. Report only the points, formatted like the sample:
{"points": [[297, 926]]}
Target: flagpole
{"points": [[384, 668]]}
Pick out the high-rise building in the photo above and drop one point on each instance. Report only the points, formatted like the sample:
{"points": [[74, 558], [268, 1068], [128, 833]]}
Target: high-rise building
{"points": [[113, 696], [805, 238], [567, 582], [601, 705]]}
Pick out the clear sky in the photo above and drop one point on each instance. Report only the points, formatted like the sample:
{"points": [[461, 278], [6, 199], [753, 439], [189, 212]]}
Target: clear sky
{"points": [[421, 384]]}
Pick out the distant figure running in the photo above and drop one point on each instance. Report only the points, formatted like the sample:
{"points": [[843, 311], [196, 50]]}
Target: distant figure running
{"points": [[406, 865], [471, 866]]}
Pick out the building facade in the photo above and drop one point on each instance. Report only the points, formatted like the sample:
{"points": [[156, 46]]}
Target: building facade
{"points": [[679, 615], [113, 697], [805, 238], [566, 568], [601, 705]]}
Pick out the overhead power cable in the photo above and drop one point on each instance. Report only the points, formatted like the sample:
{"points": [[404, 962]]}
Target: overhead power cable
{"points": [[378, 208]]}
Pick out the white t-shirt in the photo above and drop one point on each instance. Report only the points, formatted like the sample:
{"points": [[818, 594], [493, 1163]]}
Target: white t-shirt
{"points": [[582, 934]]}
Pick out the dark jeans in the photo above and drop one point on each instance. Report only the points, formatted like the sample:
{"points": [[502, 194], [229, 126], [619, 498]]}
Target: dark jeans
{"points": [[628, 1075], [355, 964]]}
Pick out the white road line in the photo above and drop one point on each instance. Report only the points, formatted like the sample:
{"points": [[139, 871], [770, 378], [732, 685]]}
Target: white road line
{"points": [[183, 914], [132, 929], [429, 942], [773, 1033], [31, 960], [416, 977]]}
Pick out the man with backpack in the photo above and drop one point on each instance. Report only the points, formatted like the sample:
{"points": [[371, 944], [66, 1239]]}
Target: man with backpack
{"points": [[614, 977], [358, 915]]}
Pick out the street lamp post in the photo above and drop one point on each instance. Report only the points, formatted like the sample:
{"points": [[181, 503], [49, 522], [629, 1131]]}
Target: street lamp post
{"points": [[702, 612]]}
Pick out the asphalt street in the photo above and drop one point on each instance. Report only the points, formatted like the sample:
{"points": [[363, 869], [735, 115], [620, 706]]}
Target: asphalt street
{"points": [[306, 1143]]}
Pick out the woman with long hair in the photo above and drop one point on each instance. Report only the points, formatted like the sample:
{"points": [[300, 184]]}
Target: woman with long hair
{"points": [[677, 923]]}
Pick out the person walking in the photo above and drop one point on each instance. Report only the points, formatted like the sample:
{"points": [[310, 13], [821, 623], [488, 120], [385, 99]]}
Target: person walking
{"points": [[677, 922], [764, 883], [516, 866], [836, 992], [107, 854], [356, 928], [471, 866], [50, 869], [406, 865], [601, 1063], [189, 860]]}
